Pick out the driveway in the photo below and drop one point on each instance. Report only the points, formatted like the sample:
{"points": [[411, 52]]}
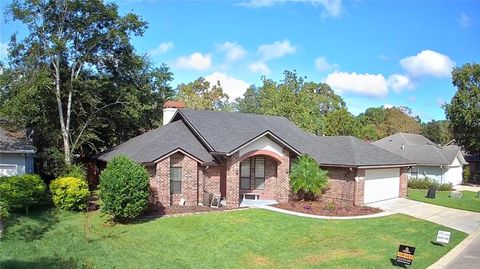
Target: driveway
{"points": [[461, 220]]}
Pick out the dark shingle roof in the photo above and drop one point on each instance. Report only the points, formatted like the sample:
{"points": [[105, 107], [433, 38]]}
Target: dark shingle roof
{"points": [[226, 131], [420, 150], [154, 144], [9, 143]]}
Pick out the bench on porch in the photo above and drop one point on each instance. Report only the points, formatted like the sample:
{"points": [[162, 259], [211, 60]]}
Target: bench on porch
{"points": [[254, 194]]}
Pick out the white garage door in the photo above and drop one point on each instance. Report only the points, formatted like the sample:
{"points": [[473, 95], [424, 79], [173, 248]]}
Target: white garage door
{"points": [[381, 184]]}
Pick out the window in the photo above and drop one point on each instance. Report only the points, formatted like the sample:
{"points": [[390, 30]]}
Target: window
{"points": [[245, 174], [259, 173], [255, 181], [175, 180]]}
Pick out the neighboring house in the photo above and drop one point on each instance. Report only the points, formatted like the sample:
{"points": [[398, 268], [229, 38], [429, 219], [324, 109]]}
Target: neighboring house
{"points": [[16, 154], [230, 154], [443, 164]]}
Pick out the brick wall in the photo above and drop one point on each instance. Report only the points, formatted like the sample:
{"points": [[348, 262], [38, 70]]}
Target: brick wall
{"points": [[341, 186], [403, 181], [160, 181], [212, 179], [359, 187], [233, 181]]}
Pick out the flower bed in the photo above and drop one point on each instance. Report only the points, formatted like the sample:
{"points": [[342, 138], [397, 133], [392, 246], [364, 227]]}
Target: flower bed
{"points": [[324, 208]]}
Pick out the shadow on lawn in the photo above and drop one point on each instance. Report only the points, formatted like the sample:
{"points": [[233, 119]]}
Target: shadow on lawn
{"points": [[30, 227], [43, 262]]}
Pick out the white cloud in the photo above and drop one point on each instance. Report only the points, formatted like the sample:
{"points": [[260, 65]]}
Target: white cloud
{"points": [[3, 50], [231, 86], [399, 82], [428, 62], [259, 67], [332, 8], [233, 51], [363, 84], [388, 106], [275, 50], [323, 65], [464, 20], [163, 48], [197, 61]]}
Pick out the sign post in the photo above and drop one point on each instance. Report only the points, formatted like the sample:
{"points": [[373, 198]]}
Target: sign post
{"points": [[405, 255]]}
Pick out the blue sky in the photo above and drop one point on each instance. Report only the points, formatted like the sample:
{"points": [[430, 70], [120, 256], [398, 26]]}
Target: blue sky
{"points": [[372, 53]]}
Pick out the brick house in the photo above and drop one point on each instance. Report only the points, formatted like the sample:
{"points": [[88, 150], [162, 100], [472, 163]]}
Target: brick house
{"points": [[230, 154]]}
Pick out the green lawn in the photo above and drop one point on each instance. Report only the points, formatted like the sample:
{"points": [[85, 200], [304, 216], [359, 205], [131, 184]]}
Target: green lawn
{"points": [[469, 200], [252, 238]]}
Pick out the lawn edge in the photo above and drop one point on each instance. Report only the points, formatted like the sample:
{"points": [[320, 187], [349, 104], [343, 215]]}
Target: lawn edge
{"points": [[444, 261]]}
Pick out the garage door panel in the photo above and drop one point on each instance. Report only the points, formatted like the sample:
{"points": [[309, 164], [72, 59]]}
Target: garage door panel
{"points": [[381, 184]]}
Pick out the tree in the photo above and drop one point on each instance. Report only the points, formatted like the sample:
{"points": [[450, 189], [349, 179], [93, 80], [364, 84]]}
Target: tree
{"points": [[387, 121], [307, 178], [463, 111], [21, 191], [65, 39], [124, 188], [249, 103], [199, 94], [341, 122], [437, 131]]}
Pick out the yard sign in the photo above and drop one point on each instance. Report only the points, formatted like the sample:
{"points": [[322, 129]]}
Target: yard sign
{"points": [[443, 237], [405, 255]]}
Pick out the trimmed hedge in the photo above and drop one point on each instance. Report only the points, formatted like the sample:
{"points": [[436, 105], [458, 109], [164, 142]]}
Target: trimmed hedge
{"points": [[69, 193], [124, 188], [24, 191], [425, 183]]}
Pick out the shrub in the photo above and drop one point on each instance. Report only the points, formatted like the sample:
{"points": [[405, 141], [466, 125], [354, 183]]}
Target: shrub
{"points": [[22, 191], [69, 193], [75, 170], [307, 179], [124, 187], [3, 210], [466, 174], [420, 183], [425, 183]]}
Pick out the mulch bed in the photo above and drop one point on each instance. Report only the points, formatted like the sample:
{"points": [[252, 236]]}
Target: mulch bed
{"points": [[176, 209], [324, 208]]}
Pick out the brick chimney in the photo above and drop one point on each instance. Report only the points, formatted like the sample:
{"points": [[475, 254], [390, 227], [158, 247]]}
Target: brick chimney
{"points": [[169, 109]]}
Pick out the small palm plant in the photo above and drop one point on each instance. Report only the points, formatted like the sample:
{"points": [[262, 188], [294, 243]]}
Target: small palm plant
{"points": [[307, 178]]}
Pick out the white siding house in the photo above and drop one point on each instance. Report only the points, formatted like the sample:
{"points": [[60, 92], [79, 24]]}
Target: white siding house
{"points": [[16, 155], [442, 164]]}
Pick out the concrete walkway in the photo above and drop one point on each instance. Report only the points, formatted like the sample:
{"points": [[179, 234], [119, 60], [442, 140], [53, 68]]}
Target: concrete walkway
{"points": [[461, 220]]}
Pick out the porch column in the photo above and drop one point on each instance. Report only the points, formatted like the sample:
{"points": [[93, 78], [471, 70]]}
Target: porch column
{"points": [[359, 187]]}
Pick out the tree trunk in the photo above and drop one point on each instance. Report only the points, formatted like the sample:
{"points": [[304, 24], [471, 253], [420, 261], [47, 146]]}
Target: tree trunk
{"points": [[64, 128]]}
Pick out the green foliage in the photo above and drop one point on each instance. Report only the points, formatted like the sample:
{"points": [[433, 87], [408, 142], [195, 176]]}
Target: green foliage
{"points": [[307, 178], [466, 173], [438, 132], [463, 111], [202, 96], [426, 182], [76, 171], [3, 211], [124, 187], [249, 103], [341, 122], [69, 193], [22, 191]]}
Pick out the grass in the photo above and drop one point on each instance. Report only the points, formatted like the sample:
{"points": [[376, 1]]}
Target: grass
{"points": [[251, 238], [469, 200]]}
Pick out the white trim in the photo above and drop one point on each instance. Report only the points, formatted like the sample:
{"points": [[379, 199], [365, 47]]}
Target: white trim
{"points": [[260, 136], [17, 151], [176, 151]]}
